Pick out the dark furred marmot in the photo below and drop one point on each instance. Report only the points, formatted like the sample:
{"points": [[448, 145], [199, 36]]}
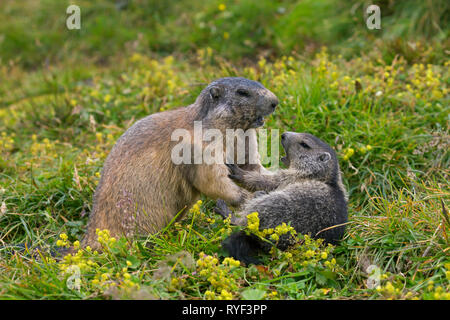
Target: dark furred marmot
{"points": [[309, 195], [141, 189]]}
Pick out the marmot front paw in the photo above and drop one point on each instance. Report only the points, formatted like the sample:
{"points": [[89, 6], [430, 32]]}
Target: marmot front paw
{"points": [[222, 209], [236, 173]]}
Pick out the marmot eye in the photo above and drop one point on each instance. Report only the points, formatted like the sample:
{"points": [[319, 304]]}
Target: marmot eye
{"points": [[304, 145], [243, 92]]}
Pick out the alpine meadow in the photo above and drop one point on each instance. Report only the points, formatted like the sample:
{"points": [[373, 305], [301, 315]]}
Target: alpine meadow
{"points": [[378, 97]]}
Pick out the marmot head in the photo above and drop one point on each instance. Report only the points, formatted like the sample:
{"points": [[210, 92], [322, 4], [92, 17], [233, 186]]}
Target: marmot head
{"points": [[310, 155], [236, 103]]}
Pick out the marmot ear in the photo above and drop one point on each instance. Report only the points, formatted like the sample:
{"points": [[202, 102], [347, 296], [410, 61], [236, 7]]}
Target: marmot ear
{"points": [[324, 157], [215, 92]]}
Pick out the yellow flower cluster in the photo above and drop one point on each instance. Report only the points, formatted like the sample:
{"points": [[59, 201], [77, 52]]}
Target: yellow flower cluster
{"points": [[231, 262], [78, 259], [226, 230], [253, 222], [99, 137], [273, 295], [6, 142], [218, 276], [94, 93], [210, 295], [63, 241], [205, 55], [96, 275], [392, 290], [104, 238], [425, 80], [325, 68], [176, 283], [440, 294], [224, 295], [306, 254], [102, 146], [206, 262], [107, 98], [152, 79], [253, 227], [389, 290], [262, 63], [349, 152], [279, 231], [104, 280], [278, 73], [376, 79], [195, 210], [365, 149], [46, 147], [312, 257], [313, 253]]}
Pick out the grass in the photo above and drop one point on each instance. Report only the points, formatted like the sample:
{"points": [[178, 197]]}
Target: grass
{"points": [[382, 105]]}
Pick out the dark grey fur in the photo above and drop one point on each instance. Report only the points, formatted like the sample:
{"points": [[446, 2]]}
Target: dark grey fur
{"points": [[309, 195]]}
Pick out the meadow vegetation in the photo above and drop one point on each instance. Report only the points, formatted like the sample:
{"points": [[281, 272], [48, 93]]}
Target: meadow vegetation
{"points": [[379, 97]]}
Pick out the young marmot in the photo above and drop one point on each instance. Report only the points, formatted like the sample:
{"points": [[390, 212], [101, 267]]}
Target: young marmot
{"points": [[141, 189], [309, 195]]}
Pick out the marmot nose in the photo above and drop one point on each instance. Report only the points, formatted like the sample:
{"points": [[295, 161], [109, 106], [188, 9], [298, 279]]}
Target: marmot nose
{"points": [[285, 135], [274, 104]]}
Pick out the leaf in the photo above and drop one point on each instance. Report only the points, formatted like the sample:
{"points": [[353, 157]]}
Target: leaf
{"points": [[325, 277], [328, 274], [253, 294], [320, 279]]}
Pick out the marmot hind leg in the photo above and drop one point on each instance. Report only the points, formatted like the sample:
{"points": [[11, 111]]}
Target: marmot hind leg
{"points": [[243, 247]]}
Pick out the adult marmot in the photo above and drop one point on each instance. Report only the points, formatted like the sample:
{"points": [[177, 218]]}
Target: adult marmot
{"points": [[141, 189], [309, 195]]}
